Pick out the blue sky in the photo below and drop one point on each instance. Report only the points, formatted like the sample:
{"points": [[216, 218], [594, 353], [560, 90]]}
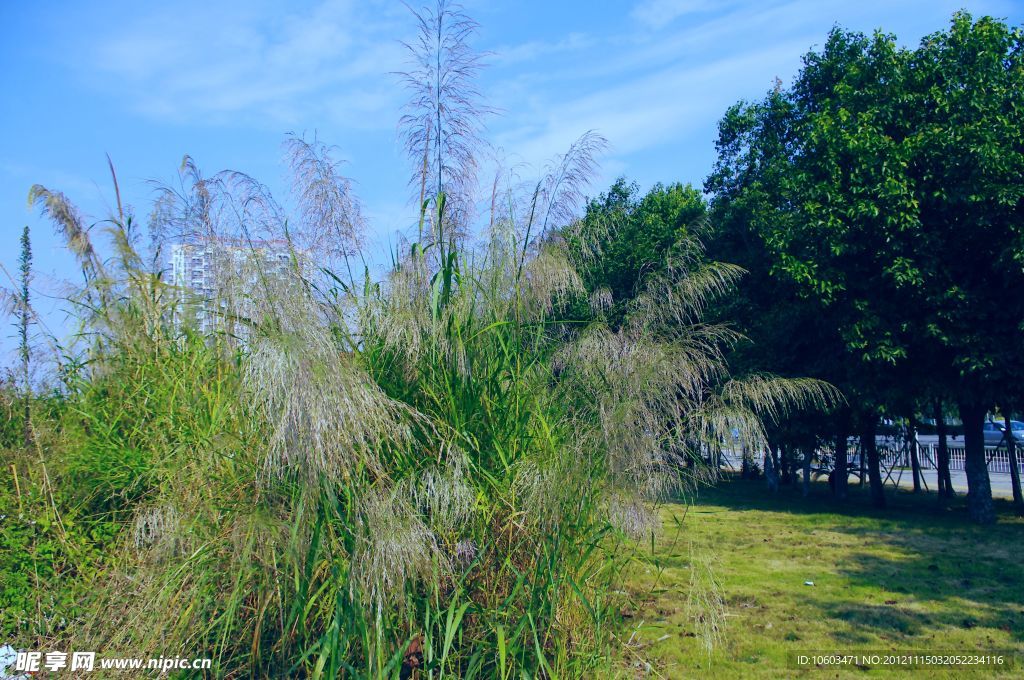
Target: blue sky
{"points": [[225, 81]]}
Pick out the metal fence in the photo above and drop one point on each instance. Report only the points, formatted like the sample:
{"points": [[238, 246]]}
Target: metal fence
{"points": [[998, 457], [897, 455]]}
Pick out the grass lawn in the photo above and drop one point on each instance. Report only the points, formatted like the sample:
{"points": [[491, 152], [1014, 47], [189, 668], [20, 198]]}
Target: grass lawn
{"points": [[912, 578]]}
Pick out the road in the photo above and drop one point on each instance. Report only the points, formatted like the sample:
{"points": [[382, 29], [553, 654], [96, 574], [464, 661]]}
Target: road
{"points": [[1000, 481]]}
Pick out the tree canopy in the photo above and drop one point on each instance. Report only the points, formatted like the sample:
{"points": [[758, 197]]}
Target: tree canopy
{"points": [[883, 190], [632, 237]]}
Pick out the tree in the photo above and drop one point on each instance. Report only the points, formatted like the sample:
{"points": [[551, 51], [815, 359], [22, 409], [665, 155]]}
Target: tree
{"points": [[885, 185], [942, 453], [631, 238], [816, 171], [787, 334], [967, 88]]}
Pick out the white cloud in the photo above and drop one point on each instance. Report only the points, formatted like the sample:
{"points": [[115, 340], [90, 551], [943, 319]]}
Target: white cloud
{"points": [[643, 91], [664, 77], [660, 13], [221, 62], [530, 51], [643, 112]]}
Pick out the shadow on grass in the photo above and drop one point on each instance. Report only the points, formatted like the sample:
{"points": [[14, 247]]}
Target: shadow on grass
{"points": [[902, 504], [924, 570]]}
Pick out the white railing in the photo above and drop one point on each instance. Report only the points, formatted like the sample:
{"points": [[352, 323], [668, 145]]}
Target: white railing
{"points": [[998, 457], [898, 455]]}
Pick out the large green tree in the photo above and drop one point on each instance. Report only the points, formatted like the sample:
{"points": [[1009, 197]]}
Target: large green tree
{"points": [[885, 185], [967, 161], [816, 172]]}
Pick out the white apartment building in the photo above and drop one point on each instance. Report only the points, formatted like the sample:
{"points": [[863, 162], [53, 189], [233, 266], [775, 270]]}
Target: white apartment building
{"points": [[220, 280]]}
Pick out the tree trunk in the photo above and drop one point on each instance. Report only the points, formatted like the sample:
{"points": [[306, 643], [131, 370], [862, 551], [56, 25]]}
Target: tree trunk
{"points": [[787, 473], [771, 470], [1011, 449], [746, 469], [869, 449], [945, 480], [863, 462], [979, 490], [840, 486], [808, 456], [915, 464]]}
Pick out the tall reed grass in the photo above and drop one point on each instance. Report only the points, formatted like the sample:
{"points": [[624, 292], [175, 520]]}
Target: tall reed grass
{"points": [[439, 472]]}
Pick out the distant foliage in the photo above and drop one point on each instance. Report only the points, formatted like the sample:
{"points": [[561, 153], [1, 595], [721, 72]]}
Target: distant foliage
{"points": [[623, 239]]}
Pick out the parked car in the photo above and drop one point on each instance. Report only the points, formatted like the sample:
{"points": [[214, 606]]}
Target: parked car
{"points": [[994, 432]]}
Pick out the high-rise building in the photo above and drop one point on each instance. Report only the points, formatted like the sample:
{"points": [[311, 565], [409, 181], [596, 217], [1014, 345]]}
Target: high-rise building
{"points": [[220, 281]]}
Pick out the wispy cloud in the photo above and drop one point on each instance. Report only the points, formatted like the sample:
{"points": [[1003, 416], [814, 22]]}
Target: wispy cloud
{"points": [[644, 93], [221, 62], [659, 13], [640, 113], [649, 79], [533, 50]]}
